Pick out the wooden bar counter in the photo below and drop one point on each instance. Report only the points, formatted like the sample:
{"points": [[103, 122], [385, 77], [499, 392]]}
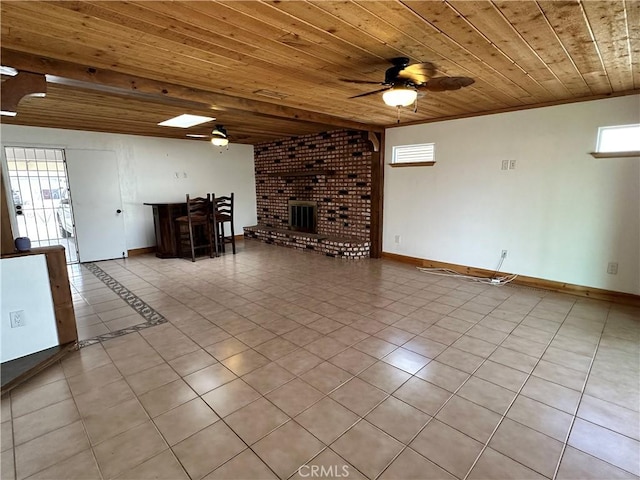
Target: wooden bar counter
{"points": [[164, 215]]}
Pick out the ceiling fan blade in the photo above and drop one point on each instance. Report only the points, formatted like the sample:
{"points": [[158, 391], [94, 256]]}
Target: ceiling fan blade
{"points": [[418, 73], [391, 75], [363, 82], [441, 84], [370, 93]]}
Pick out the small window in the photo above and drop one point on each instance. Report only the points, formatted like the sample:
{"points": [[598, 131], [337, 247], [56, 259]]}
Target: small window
{"points": [[618, 138], [414, 155]]}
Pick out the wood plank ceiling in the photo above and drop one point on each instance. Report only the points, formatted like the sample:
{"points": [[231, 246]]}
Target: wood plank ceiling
{"points": [[269, 70]]}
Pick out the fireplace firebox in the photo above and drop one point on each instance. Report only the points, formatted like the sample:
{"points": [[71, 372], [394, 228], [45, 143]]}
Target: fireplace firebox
{"points": [[303, 216]]}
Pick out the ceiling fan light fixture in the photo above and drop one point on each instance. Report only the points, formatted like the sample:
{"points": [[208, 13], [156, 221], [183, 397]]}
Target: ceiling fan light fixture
{"points": [[219, 136], [400, 96], [220, 142]]}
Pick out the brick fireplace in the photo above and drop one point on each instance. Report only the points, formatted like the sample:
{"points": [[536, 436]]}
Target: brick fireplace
{"points": [[331, 171]]}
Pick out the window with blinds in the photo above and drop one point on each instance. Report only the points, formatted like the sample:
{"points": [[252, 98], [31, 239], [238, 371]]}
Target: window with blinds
{"points": [[414, 154]]}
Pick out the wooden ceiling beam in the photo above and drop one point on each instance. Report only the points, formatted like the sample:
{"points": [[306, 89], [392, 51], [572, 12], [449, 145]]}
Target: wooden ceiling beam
{"points": [[143, 88]]}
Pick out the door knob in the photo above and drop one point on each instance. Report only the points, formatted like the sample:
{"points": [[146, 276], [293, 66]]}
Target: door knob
{"points": [[118, 211]]}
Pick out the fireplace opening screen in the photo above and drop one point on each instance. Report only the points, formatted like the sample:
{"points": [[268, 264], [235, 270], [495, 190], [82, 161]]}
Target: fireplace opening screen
{"points": [[303, 216]]}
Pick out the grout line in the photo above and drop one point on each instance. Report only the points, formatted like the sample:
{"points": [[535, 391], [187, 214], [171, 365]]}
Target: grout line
{"points": [[456, 391], [522, 386], [513, 401], [529, 375], [150, 419], [81, 419], [584, 386]]}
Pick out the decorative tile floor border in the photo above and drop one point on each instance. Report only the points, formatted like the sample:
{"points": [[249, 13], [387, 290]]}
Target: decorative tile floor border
{"points": [[151, 316]]}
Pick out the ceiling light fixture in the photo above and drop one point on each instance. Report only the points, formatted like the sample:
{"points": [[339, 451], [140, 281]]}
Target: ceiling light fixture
{"points": [[186, 121], [219, 138], [400, 96]]}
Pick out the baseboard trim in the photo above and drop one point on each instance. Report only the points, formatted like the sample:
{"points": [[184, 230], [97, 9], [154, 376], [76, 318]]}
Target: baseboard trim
{"points": [[418, 262], [141, 251], [561, 287]]}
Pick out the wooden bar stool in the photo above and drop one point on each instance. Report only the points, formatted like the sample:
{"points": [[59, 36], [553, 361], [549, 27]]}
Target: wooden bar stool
{"points": [[195, 228], [223, 213]]}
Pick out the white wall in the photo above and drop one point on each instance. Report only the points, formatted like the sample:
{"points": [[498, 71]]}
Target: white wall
{"points": [[147, 169], [562, 214], [24, 285]]}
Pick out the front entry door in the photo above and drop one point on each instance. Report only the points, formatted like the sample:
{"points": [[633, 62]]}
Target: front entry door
{"points": [[94, 184]]}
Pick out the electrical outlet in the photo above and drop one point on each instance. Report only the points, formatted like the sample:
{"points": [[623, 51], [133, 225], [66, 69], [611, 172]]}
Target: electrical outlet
{"points": [[512, 164], [398, 239], [612, 268], [503, 254], [505, 165], [17, 319]]}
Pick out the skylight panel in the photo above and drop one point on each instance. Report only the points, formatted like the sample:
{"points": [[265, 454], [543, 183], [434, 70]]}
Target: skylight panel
{"points": [[185, 121]]}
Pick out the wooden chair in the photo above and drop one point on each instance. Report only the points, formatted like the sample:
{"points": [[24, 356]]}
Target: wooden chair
{"points": [[223, 213], [198, 233]]}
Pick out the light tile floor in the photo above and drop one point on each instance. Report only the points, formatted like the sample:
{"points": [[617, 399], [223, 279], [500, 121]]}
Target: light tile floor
{"points": [[275, 359], [99, 310]]}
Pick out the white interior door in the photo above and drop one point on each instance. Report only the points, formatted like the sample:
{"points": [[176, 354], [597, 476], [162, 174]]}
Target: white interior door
{"points": [[97, 204]]}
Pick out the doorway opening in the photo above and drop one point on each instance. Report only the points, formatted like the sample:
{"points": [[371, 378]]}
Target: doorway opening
{"points": [[40, 200]]}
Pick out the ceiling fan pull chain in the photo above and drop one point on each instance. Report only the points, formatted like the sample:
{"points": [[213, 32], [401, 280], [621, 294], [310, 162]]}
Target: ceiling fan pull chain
{"points": [[398, 110]]}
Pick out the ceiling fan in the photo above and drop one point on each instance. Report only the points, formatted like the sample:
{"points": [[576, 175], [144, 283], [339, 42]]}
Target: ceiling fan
{"points": [[219, 136], [403, 81]]}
